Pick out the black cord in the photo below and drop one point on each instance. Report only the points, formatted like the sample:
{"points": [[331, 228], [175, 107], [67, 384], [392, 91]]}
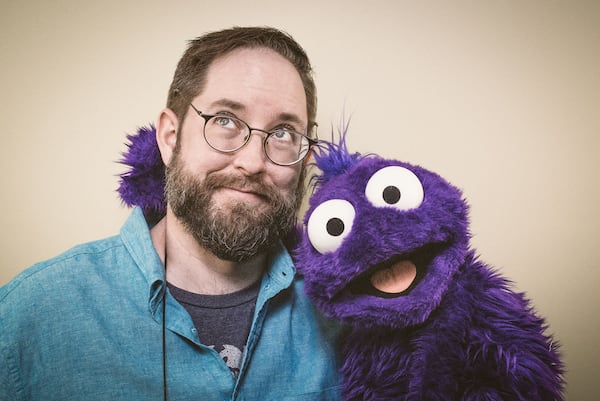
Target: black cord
{"points": [[164, 345], [164, 331]]}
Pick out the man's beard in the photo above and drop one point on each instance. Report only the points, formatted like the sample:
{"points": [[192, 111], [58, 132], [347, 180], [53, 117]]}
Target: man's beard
{"points": [[236, 231]]}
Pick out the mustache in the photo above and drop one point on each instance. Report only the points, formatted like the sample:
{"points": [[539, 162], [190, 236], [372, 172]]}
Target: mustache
{"points": [[241, 183]]}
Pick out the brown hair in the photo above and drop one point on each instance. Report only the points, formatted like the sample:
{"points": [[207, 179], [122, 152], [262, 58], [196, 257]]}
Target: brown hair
{"points": [[190, 75]]}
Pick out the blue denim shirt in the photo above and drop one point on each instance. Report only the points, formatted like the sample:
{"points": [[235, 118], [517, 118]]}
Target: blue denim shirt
{"points": [[88, 325]]}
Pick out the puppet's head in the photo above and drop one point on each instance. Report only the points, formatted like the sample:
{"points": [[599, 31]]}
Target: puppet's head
{"points": [[383, 239]]}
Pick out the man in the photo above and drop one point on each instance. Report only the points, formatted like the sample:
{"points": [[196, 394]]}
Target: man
{"points": [[93, 323]]}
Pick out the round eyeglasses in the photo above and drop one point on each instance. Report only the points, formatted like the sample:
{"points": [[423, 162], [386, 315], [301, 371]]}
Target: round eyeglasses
{"points": [[282, 146]]}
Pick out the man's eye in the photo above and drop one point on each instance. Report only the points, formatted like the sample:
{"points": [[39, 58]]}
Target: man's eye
{"points": [[223, 121], [282, 134], [285, 134]]}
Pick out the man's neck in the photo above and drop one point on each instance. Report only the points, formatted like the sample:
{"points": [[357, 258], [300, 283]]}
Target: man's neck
{"points": [[196, 269]]}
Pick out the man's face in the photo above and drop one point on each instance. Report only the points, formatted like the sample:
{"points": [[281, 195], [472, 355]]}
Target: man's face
{"points": [[238, 204]]}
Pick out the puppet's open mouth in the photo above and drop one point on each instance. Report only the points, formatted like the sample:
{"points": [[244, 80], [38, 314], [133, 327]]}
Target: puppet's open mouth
{"points": [[394, 277]]}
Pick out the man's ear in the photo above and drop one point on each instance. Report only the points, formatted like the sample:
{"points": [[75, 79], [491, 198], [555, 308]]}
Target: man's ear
{"points": [[166, 134]]}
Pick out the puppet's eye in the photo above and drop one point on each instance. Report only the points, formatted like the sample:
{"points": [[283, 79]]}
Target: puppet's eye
{"points": [[395, 186], [329, 224]]}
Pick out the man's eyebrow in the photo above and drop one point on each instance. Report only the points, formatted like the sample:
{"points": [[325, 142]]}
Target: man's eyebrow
{"points": [[291, 118], [237, 106], [230, 104]]}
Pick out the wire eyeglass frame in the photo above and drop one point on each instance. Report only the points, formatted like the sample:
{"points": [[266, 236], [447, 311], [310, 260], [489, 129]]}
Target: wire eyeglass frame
{"points": [[304, 149]]}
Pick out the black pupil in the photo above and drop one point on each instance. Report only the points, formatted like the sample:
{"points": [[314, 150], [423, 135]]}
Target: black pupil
{"points": [[391, 195], [335, 227]]}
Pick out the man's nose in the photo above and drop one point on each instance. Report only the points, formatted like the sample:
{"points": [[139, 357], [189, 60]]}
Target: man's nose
{"points": [[251, 158]]}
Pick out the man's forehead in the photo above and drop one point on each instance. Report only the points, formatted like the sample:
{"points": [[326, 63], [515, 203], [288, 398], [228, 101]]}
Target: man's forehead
{"points": [[247, 79]]}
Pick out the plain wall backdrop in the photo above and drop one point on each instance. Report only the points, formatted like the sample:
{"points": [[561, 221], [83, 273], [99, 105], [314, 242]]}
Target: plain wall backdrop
{"points": [[500, 97]]}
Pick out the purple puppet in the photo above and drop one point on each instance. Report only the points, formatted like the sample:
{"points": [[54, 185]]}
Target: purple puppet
{"points": [[386, 251]]}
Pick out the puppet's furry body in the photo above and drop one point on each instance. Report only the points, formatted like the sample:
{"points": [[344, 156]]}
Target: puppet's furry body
{"points": [[481, 343], [453, 329]]}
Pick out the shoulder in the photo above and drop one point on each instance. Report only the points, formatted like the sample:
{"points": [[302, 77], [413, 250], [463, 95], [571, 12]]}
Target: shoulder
{"points": [[329, 327], [60, 268]]}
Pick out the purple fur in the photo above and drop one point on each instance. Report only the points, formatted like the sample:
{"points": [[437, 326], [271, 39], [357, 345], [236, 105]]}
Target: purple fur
{"points": [[334, 159], [143, 184], [459, 333]]}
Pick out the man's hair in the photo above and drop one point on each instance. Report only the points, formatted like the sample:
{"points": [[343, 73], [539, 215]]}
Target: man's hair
{"points": [[190, 75]]}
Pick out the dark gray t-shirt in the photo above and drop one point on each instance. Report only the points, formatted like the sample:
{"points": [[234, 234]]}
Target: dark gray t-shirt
{"points": [[223, 321]]}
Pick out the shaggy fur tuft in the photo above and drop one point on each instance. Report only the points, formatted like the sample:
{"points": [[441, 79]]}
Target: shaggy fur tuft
{"points": [[333, 158], [143, 184], [459, 332]]}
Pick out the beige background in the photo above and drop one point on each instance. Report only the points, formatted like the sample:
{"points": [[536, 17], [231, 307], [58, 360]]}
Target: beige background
{"points": [[500, 97]]}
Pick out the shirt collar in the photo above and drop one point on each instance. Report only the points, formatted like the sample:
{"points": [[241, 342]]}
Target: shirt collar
{"points": [[135, 235], [281, 268]]}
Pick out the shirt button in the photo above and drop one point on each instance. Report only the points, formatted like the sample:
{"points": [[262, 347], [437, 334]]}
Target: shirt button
{"points": [[194, 330]]}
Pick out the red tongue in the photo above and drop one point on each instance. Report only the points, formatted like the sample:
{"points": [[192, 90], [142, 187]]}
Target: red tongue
{"points": [[396, 278]]}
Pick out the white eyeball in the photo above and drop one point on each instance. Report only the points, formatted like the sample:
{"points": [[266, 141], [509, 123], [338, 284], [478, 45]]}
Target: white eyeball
{"points": [[329, 224], [395, 186]]}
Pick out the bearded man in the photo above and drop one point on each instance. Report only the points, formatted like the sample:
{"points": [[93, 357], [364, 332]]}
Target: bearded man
{"points": [[204, 304]]}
